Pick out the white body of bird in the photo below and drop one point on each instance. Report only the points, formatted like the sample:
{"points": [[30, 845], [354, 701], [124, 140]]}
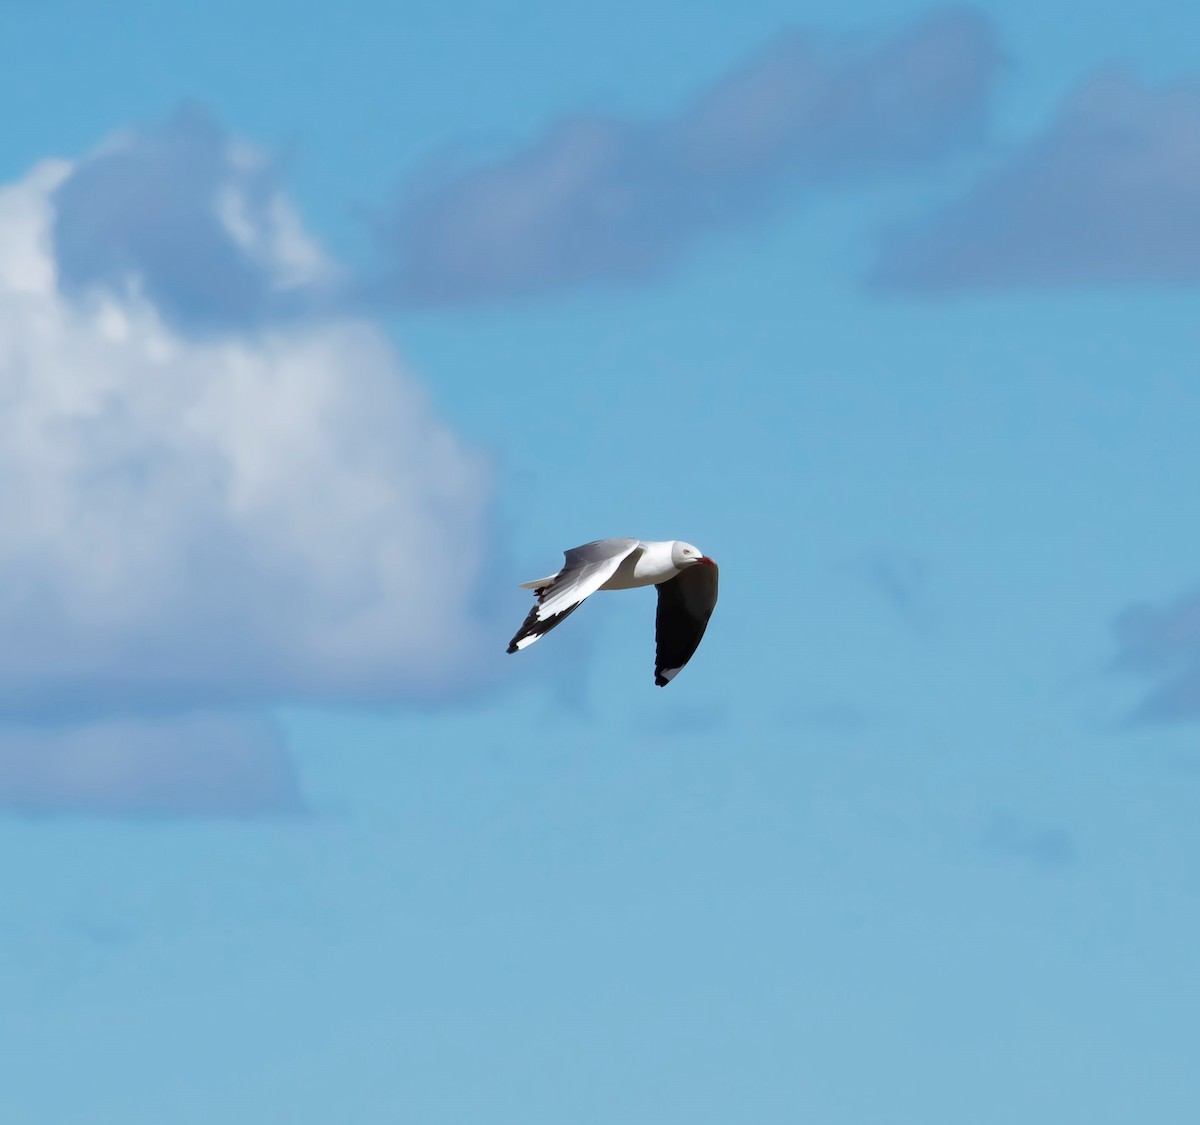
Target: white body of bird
{"points": [[653, 564]]}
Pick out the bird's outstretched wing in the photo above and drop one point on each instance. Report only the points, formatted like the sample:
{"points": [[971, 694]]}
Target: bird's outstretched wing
{"points": [[586, 569], [685, 603]]}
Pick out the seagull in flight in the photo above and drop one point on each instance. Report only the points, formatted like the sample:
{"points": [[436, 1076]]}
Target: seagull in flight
{"points": [[687, 593]]}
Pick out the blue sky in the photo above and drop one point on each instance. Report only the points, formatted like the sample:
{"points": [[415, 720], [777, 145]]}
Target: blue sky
{"points": [[320, 331]]}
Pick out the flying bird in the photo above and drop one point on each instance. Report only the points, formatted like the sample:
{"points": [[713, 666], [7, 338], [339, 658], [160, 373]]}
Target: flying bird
{"points": [[687, 593]]}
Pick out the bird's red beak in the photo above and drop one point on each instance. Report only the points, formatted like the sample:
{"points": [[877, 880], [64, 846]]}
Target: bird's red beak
{"points": [[706, 560]]}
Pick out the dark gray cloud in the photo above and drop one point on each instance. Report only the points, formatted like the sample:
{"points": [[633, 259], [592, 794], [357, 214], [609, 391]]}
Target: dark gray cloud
{"points": [[190, 218], [197, 222], [602, 199], [1162, 643], [1109, 194], [199, 767]]}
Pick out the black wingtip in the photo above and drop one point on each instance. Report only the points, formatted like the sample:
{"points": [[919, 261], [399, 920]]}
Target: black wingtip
{"points": [[534, 628], [661, 681]]}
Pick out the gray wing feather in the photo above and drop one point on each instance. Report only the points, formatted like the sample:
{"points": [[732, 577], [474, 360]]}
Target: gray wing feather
{"points": [[597, 551], [586, 569]]}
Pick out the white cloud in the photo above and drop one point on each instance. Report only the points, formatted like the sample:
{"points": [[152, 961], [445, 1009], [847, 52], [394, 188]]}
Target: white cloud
{"points": [[269, 231], [251, 515]]}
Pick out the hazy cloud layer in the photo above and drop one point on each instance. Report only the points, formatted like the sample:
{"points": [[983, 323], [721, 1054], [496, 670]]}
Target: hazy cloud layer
{"points": [[902, 580], [244, 516], [207, 766], [602, 199], [1109, 194], [1018, 838], [193, 220], [1163, 644]]}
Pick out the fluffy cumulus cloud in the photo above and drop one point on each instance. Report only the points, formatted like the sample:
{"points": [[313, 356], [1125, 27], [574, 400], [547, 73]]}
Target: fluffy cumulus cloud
{"points": [[200, 509], [1109, 194], [598, 199], [1162, 643]]}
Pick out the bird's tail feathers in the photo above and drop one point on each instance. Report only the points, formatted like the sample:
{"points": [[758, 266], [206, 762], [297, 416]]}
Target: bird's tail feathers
{"points": [[538, 583]]}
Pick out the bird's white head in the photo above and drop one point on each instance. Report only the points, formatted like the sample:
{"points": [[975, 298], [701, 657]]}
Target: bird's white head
{"points": [[685, 555]]}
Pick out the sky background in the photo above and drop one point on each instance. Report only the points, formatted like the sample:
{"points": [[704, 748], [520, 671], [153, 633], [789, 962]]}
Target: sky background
{"points": [[321, 330]]}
